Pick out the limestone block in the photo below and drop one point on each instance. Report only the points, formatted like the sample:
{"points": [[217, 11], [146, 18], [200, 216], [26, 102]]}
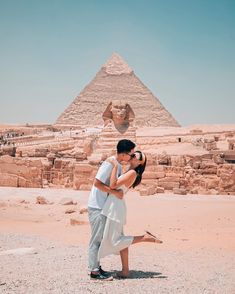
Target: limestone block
{"points": [[209, 140], [160, 175], [212, 183], [10, 151], [41, 200], [80, 156], [7, 167], [174, 175], [226, 168], [179, 171], [184, 182], [88, 146], [83, 168], [148, 182], [58, 163], [151, 190], [225, 176], [150, 175], [65, 163], [47, 165], [151, 161], [178, 161], [194, 191], [164, 159], [168, 185], [160, 190], [196, 164], [208, 167], [218, 159], [187, 177], [22, 182], [41, 152], [154, 168], [170, 179], [216, 137], [179, 191], [83, 209], [6, 159], [70, 210], [227, 181], [196, 181], [34, 172], [210, 146], [8, 180]]}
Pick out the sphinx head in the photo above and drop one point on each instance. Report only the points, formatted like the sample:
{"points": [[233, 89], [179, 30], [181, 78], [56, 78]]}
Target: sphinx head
{"points": [[121, 113]]}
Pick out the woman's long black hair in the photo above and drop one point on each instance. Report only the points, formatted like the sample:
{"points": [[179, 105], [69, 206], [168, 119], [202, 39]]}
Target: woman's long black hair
{"points": [[139, 170]]}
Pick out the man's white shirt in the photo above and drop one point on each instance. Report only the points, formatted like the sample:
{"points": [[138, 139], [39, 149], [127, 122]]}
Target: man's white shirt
{"points": [[97, 197]]}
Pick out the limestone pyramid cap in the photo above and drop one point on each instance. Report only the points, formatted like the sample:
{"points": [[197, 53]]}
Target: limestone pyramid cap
{"points": [[116, 65]]}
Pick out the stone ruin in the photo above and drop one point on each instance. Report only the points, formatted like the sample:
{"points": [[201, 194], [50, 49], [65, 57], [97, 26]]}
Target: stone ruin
{"points": [[68, 154], [71, 160]]}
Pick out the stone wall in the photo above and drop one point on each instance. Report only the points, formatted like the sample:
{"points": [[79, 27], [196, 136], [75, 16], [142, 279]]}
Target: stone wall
{"points": [[207, 174], [20, 172]]}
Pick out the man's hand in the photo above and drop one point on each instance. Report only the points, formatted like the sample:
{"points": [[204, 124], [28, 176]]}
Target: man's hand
{"points": [[118, 193]]}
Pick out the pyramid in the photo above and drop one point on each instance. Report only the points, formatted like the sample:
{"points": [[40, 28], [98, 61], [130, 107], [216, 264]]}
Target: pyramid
{"points": [[116, 81]]}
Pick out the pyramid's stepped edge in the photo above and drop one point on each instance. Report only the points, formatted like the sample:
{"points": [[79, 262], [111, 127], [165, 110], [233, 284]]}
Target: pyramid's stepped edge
{"points": [[88, 107]]}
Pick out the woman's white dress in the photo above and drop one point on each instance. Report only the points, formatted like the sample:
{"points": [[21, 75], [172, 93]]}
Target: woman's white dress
{"points": [[114, 239]]}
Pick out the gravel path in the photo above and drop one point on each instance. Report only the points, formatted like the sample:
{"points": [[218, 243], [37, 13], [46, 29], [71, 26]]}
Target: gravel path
{"points": [[57, 268]]}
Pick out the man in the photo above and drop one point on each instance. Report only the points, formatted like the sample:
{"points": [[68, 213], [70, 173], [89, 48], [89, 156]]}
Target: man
{"points": [[98, 195]]}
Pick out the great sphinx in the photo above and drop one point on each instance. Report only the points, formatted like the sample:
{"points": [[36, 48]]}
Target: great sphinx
{"points": [[120, 114]]}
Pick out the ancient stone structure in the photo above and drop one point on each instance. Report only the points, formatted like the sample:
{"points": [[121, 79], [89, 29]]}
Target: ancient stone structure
{"points": [[115, 104], [116, 81], [120, 114], [231, 144], [179, 174]]}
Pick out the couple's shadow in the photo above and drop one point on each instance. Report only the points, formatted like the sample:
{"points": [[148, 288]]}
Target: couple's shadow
{"points": [[134, 274]]}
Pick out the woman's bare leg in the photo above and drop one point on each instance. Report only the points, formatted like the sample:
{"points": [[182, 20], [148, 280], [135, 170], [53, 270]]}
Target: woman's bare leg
{"points": [[125, 252], [145, 238], [125, 262]]}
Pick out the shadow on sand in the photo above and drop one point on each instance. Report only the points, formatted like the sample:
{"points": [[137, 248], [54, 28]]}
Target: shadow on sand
{"points": [[142, 275]]}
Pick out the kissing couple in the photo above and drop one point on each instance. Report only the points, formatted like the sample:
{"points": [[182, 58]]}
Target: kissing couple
{"points": [[107, 209]]}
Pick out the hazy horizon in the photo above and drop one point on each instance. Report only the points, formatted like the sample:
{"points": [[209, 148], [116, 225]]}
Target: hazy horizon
{"points": [[183, 51]]}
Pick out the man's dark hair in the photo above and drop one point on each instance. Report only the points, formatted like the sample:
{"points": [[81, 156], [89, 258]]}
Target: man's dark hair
{"points": [[124, 146]]}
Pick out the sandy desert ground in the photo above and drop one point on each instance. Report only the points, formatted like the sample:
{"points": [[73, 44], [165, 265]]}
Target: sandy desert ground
{"points": [[197, 256]]}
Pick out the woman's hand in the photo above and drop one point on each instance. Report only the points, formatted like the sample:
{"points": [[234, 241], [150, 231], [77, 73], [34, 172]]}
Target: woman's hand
{"points": [[113, 161]]}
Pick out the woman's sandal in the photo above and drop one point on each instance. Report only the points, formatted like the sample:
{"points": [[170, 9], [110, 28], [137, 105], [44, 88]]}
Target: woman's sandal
{"points": [[156, 239]]}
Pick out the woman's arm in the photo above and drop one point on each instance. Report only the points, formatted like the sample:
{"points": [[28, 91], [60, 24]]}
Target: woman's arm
{"points": [[102, 187], [126, 179], [113, 177]]}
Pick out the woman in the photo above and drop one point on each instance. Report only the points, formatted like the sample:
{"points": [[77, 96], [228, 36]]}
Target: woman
{"points": [[114, 241]]}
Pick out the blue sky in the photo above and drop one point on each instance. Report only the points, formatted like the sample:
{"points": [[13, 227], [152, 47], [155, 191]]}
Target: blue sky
{"points": [[182, 50]]}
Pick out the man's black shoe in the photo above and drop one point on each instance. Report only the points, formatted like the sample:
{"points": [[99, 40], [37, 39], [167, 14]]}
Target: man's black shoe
{"points": [[104, 273], [100, 277]]}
